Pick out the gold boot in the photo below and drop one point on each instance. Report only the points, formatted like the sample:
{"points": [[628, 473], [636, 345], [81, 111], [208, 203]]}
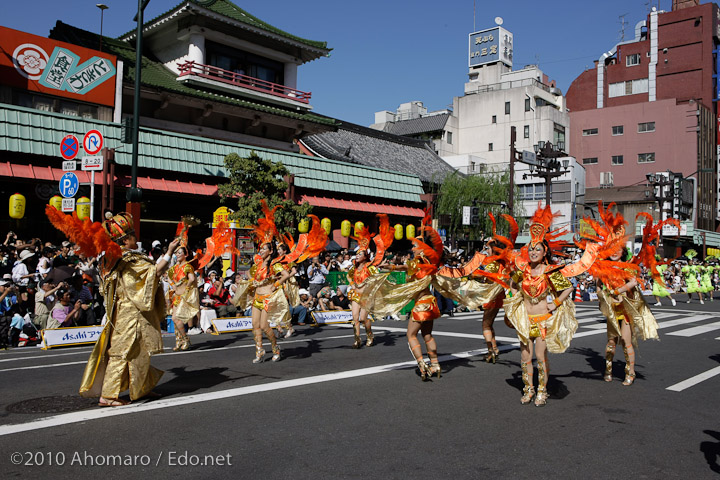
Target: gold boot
{"points": [[276, 353], [435, 369], [259, 350], [542, 395], [185, 342], [178, 341], [370, 339], [629, 365], [609, 355], [528, 389]]}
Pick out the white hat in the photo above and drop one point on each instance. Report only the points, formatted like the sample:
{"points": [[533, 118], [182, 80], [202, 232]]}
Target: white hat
{"points": [[156, 243], [303, 291], [4, 283], [65, 243], [25, 254], [229, 272]]}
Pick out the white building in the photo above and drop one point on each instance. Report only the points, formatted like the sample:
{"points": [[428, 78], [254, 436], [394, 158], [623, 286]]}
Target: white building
{"points": [[474, 137]]}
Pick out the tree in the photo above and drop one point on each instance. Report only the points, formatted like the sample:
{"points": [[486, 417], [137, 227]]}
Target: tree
{"points": [[491, 189], [252, 179]]}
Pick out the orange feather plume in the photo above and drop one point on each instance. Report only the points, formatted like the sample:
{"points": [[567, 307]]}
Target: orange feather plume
{"points": [[383, 239], [265, 230], [432, 251], [317, 240], [218, 244], [648, 250]]}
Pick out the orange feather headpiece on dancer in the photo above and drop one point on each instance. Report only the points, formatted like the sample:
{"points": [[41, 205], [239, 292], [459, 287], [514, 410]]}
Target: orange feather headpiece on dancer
{"points": [[265, 230], [540, 232], [651, 235], [431, 251]]}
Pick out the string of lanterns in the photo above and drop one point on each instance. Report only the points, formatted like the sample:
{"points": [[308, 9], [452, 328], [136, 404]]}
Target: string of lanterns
{"points": [[346, 227]]}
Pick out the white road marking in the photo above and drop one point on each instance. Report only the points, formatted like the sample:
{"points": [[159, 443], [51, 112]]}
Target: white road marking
{"points": [[683, 321], [102, 413], [679, 387], [690, 332]]}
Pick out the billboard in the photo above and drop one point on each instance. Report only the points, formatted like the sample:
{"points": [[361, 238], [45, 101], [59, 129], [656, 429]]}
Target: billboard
{"points": [[60, 69], [489, 46]]}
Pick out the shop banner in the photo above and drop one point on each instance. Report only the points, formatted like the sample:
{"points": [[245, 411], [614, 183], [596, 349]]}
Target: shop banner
{"points": [[39, 64], [63, 337]]}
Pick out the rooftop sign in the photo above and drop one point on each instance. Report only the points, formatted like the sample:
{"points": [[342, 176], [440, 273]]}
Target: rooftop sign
{"points": [[490, 46]]}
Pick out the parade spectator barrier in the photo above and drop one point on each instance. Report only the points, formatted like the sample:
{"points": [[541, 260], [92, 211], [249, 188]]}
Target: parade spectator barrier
{"points": [[244, 324], [332, 316], [64, 337]]}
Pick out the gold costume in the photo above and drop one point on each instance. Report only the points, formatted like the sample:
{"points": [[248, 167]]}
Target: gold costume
{"points": [[120, 359], [641, 319], [275, 304], [559, 328], [185, 298]]}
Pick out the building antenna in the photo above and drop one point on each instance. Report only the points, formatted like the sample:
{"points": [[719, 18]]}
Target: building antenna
{"points": [[474, 15], [623, 24]]}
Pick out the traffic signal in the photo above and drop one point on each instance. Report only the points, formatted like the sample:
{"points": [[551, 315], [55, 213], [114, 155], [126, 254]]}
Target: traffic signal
{"points": [[126, 131], [475, 216]]}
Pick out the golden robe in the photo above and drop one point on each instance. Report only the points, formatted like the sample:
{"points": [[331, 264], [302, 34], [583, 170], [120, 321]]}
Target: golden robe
{"points": [[278, 306], [560, 327], [185, 299], [642, 321], [135, 305]]}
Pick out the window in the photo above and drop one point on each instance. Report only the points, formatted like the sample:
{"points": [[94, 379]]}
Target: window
{"points": [[646, 157], [490, 147], [646, 127], [617, 159], [559, 136], [532, 191], [507, 108], [590, 161], [448, 137], [494, 119], [527, 104], [526, 131], [632, 60], [590, 131], [631, 87], [617, 130]]}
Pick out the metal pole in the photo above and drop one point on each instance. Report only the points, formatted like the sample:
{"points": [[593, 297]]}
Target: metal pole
{"points": [[513, 137], [548, 180], [92, 196], [134, 194]]}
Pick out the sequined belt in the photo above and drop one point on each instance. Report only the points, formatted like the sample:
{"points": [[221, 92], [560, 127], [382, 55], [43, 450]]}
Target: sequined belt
{"points": [[538, 327], [262, 302]]}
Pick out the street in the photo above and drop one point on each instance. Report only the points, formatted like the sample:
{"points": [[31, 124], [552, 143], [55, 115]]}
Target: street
{"points": [[327, 411]]}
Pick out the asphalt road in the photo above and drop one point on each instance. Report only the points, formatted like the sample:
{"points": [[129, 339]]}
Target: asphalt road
{"points": [[327, 411]]}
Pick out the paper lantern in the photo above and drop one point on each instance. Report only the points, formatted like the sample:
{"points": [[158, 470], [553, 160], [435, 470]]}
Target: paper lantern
{"points": [[326, 224], [304, 225], [358, 226], [17, 206], [410, 231], [56, 202], [398, 231], [345, 227], [82, 207]]}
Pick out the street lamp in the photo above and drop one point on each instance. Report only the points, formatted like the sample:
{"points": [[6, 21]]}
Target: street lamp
{"points": [[548, 166], [102, 8]]}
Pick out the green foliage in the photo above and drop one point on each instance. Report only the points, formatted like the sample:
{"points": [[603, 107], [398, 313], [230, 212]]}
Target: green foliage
{"points": [[252, 179], [458, 191]]}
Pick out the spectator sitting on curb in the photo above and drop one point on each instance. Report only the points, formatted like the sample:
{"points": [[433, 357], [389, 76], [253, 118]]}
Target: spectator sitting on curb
{"points": [[301, 310], [63, 315], [323, 297], [340, 301], [44, 301]]}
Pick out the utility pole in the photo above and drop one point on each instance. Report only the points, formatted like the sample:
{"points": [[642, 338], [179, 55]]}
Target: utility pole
{"points": [[513, 157], [549, 165]]}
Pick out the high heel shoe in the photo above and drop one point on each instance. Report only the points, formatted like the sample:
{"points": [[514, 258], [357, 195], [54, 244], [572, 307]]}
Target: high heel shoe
{"points": [[424, 370], [491, 356], [289, 333], [435, 370], [276, 354], [629, 378], [541, 397], [370, 340], [358, 342], [259, 356]]}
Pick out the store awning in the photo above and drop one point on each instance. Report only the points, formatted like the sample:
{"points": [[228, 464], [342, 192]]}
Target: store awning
{"points": [[370, 207], [8, 169]]}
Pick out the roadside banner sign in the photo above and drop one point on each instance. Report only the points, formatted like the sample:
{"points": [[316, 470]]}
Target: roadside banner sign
{"points": [[93, 162], [93, 142], [69, 184], [69, 147]]}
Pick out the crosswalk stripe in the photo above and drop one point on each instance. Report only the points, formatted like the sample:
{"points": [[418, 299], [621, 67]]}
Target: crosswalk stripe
{"points": [[683, 321], [691, 332], [679, 387]]}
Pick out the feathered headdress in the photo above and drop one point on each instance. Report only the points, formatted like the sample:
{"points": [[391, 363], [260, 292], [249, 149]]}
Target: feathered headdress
{"points": [[540, 224], [383, 239], [183, 226], [313, 244], [266, 231], [91, 237], [432, 251], [218, 244], [651, 234], [363, 237]]}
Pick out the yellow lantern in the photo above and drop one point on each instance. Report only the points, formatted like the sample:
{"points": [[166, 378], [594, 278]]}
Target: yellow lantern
{"points": [[304, 225], [326, 224], [345, 228], [410, 231], [358, 226], [398, 231], [56, 202], [83, 208], [17, 206]]}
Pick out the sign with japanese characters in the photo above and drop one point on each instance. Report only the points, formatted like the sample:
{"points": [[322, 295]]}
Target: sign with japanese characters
{"points": [[332, 316], [56, 68], [490, 46], [63, 337]]}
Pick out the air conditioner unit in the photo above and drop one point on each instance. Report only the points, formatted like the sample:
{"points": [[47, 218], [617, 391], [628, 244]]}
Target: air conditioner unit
{"points": [[606, 179]]}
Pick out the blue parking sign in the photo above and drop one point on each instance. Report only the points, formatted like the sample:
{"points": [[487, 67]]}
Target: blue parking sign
{"points": [[69, 184]]}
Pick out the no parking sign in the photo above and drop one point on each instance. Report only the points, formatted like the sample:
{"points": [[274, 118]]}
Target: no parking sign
{"points": [[93, 142]]}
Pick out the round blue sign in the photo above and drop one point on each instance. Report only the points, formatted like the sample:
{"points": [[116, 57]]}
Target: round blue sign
{"points": [[69, 184]]}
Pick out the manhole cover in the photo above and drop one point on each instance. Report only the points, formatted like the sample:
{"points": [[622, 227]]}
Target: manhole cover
{"points": [[58, 404]]}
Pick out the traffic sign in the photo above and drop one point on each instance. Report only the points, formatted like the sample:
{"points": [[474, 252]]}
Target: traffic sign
{"points": [[69, 165], [529, 158], [69, 184], [69, 147], [94, 162], [466, 215], [68, 205], [93, 142]]}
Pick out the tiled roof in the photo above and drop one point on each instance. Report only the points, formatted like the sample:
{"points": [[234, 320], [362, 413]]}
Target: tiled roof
{"points": [[28, 131], [232, 11], [156, 75], [354, 143], [414, 126]]}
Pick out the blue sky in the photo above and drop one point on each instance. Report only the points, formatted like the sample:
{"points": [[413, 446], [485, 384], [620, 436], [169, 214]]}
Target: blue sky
{"points": [[394, 51]]}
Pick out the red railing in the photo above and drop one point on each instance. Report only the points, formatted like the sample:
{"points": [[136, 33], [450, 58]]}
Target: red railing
{"points": [[244, 81]]}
